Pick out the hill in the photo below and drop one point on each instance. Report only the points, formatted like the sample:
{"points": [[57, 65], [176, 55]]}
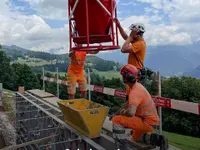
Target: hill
{"points": [[170, 60], [14, 47], [15, 52], [36, 60]]}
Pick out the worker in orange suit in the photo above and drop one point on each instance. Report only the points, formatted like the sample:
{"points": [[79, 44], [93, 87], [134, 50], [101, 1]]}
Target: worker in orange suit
{"points": [[75, 73], [139, 114], [135, 46]]}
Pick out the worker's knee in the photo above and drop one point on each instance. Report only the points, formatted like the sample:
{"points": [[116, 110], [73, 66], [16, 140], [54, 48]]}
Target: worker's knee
{"points": [[116, 119]]}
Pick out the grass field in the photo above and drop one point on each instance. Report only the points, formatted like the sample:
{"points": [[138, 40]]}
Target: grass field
{"points": [[183, 142], [33, 62], [106, 74]]}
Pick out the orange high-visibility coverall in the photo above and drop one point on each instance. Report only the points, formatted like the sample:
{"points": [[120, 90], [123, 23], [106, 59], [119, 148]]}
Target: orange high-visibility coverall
{"points": [[139, 48], [146, 114], [76, 73]]}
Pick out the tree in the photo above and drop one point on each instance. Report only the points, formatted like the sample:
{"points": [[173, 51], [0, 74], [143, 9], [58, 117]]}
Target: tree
{"points": [[7, 76], [186, 89], [25, 77]]}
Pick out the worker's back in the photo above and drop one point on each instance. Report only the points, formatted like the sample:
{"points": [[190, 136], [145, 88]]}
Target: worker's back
{"points": [[77, 62], [146, 108], [139, 48]]}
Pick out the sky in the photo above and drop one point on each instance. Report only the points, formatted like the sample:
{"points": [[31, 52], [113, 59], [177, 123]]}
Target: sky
{"points": [[42, 25]]}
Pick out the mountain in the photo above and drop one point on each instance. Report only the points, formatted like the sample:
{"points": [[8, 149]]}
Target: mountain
{"points": [[115, 55], [15, 52], [169, 60], [36, 60], [14, 47], [195, 73]]}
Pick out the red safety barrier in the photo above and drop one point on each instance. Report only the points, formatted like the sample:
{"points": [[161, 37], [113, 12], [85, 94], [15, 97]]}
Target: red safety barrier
{"points": [[120, 93], [160, 101], [98, 89]]}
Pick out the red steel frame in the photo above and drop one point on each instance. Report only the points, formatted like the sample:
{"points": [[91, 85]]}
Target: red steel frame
{"points": [[89, 47]]}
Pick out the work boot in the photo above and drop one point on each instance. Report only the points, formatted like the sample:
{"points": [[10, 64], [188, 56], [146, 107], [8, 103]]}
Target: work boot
{"points": [[154, 139], [159, 140], [163, 143]]}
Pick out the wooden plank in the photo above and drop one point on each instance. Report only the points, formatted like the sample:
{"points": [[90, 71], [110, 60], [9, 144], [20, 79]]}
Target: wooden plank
{"points": [[52, 100], [40, 93]]}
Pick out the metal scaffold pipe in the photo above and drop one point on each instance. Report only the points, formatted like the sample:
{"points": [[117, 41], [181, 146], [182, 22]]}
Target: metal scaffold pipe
{"points": [[43, 79], [159, 108], [57, 82], [89, 91]]}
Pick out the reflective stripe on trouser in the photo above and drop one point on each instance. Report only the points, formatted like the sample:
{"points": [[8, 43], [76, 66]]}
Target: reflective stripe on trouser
{"points": [[83, 86], [71, 89], [120, 136]]}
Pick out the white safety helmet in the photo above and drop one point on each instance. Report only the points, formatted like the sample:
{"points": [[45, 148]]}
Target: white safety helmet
{"points": [[139, 26]]}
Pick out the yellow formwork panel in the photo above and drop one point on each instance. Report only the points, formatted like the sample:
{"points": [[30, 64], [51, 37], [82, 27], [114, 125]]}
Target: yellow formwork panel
{"points": [[85, 116]]}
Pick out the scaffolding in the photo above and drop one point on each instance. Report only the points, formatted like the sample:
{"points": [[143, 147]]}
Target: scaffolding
{"points": [[40, 126]]}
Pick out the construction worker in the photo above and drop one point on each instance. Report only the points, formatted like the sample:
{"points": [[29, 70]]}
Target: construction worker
{"points": [[135, 46], [139, 114], [75, 73]]}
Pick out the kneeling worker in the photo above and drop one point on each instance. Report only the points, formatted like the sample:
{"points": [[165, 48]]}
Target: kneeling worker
{"points": [[139, 114], [75, 73]]}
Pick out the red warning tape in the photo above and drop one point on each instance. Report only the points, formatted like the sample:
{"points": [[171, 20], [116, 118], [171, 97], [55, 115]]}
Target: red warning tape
{"points": [[98, 89], [120, 93]]}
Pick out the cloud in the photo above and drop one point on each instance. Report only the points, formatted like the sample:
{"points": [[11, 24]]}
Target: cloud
{"points": [[179, 13], [158, 34], [155, 3], [183, 12], [50, 9], [177, 10], [129, 3], [30, 32]]}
